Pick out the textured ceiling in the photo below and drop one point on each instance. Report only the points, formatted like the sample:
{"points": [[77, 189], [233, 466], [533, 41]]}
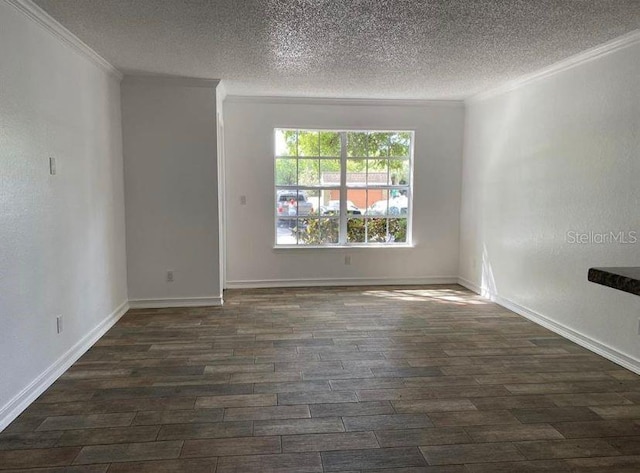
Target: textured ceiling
{"points": [[434, 49]]}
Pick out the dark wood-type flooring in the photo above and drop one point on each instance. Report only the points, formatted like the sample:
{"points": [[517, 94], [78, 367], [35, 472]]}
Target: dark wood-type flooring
{"points": [[378, 379]]}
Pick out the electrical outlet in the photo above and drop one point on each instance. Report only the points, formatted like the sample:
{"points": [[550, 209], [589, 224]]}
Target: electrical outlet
{"points": [[59, 324], [347, 260], [170, 275], [52, 166], [243, 200]]}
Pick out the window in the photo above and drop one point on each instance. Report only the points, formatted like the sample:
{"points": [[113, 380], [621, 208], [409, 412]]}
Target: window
{"points": [[343, 187]]}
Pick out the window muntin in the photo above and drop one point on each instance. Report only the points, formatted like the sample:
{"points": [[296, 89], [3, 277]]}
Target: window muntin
{"points": [[338, 188]]}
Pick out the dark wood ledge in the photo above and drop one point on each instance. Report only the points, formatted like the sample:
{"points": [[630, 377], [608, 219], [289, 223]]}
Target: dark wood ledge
{"points": [[623, 279]]}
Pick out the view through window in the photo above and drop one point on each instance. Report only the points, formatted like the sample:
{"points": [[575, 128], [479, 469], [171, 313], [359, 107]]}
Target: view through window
{"points": [[343, 187]]}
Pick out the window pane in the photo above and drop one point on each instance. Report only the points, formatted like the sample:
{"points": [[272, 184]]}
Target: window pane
{"points": [[378, 172], [398, 230], [355, 230], [308, 172], [286, 143], [330, 172], [329, 231], [292, 203], [356, 201], [400, 171], [378, 144], [357, 144], [330, 202], [356, 173], [286, 203], [398, 202], [314, 201], [308, 143], [377, 230], [308, 231], [285, 234], [330, 144], [286, 170], [400, 144], [378, 202]]}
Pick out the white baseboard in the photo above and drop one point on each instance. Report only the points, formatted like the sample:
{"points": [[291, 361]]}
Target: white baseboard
{"points": [[24, 398], [175, 302], [470, 285], [266, 283], [581, 339]]}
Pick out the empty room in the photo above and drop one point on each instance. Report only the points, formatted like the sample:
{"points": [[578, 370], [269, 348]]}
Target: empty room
{"points": [[306, 236]]}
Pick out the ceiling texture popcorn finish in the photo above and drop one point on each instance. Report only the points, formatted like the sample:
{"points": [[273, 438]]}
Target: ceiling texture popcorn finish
{"points": [[428, 49]]}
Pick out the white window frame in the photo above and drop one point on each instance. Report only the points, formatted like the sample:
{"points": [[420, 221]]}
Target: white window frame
{"points": [[344, 188]]}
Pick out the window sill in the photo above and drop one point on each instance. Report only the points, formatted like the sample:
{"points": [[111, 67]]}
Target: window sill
{"points": [[342, 247]]}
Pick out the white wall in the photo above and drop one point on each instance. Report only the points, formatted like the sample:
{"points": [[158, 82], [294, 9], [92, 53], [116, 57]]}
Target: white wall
{"points": [[251, 258], [559, 154], [62, 237], [169, 139]]}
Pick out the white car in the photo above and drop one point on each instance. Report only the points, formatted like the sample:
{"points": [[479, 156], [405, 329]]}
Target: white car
{"points": [[394, 206], [333, 207]]}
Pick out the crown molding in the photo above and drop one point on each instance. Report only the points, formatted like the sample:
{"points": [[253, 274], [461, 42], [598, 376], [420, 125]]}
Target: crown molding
{"points": [[280, 100], [42, 18], [572, 61], [163, 79]]}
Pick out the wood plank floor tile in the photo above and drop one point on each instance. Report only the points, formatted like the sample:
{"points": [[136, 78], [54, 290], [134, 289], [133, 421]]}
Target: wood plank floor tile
{"points": [[386, 422], [471, 453], [63, 469], [601, 428], [240, 400], [371, 459], [429, 436], [350, 409], [298, 426], [405, 372], [513, 402], [208, 430], [28, 440], [317, 397], [282, 463], [304, 386], [111, 435], [619, 464], [419, 469], [626, 445], [323, 442], [231, 446], [268, 412], [178, 416], [557, 414], [41, 457], [433, 405], [472, 417], [618, 412], [551, 449], [362, 384], [90, 421], [507, 433], [539, 466], [207, 465], [589, 399], [129, 452]]}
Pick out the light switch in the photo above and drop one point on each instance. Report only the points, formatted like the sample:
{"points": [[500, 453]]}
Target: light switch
{"points": [[52, 166]]}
